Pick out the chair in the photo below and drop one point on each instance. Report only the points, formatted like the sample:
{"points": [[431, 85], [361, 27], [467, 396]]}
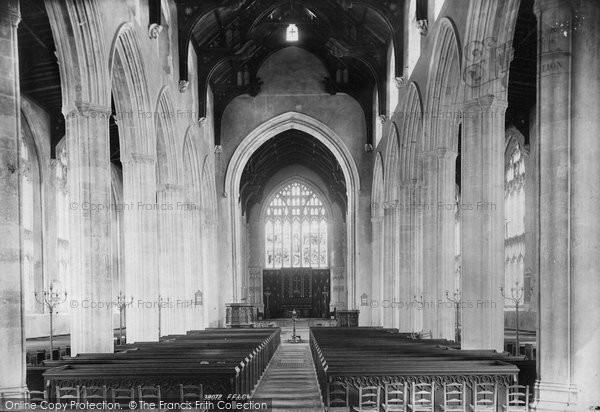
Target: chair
{"points": [[368, 399], [425, 334], [337, 397], [149, 394], [94, 394], [485, 397], [190, 393], [37, 396], [122, 396], [396, 397], [455, 397], [422, 397], [67, 393], [517, 398]]}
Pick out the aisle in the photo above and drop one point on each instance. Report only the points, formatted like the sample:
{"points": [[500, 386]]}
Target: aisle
{"points": [[290, 379]]}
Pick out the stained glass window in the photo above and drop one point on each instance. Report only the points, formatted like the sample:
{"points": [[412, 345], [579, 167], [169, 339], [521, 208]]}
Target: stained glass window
{"points": [[514, 237], [296, 229]]}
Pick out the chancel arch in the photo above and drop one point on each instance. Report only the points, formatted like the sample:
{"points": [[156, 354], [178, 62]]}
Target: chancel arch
{"points": [[260, 135]]}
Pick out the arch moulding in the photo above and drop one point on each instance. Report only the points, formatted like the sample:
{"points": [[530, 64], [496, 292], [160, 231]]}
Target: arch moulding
{"points": [[235, 168]]}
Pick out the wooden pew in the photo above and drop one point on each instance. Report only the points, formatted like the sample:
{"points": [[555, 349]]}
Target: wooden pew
{"points": [[223, 361], [372, 357]]}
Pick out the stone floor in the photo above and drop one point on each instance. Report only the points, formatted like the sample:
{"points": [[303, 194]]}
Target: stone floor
{"points": [[290, 381]]}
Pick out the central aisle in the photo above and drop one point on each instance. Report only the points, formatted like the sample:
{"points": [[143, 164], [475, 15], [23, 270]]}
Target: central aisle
{"points": [[291, 380]]}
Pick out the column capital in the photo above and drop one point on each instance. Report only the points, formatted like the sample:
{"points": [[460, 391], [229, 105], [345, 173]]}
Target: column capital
{"points": [[485, 104], [139, 158], [9, 10], [86, 109], [172, 188], [441, 153]]}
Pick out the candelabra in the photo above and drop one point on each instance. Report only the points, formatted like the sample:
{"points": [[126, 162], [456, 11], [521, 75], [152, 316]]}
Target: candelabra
{"points": [[295, 338], [457, 300], [121, 304], [51, 299], [516, 296]]}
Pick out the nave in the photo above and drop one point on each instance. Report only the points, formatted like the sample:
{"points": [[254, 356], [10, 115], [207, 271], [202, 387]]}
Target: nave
{"points": [[181, 169]]}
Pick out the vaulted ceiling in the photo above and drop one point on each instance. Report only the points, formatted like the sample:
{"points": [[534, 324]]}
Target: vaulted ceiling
{"points": [[292, 147], [235, 37]]}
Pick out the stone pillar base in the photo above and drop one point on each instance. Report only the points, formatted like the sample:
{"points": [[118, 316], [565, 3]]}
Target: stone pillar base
{"points": [[555, 397]]}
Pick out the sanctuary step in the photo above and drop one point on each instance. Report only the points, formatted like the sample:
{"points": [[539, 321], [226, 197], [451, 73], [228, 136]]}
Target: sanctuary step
{"points": [[290, 381]]}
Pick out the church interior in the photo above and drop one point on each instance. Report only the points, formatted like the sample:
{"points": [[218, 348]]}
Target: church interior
{"points": [[314, 205]]}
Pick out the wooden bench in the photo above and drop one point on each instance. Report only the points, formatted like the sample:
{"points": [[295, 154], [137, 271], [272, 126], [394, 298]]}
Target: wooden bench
{"points": [[222, 362], [366, 357]]}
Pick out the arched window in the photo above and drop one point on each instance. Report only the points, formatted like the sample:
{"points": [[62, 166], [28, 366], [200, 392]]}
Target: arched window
{"points": [[296, 229], [292, 33], [514, 237]]}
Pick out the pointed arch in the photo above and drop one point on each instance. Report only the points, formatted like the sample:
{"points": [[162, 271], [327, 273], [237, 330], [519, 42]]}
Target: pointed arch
{"points": [[391, 172], [209, 191], [488, 48], [377, 191], [81, 51], [443, 88], [261, 134], [130, 91], [191, 165], [168, 164], [411, 133]]}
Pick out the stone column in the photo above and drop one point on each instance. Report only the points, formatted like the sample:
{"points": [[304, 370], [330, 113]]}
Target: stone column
{"points": [[445, 209], [89, 229], [12, 334], [482, 236], [430, 244], [141, 246], [405, 275], [376, 289], [388, 304], [169, 260], [569, 126], [416, 224]]}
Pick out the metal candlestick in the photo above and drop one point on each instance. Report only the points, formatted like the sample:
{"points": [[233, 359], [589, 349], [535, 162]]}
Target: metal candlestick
{"points": [[51, 299], [121, 304], [457, 300], [516, 296], [295, 338]]}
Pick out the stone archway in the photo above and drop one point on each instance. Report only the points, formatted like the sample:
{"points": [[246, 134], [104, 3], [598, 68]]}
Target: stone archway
{"points": [[264, 132]]}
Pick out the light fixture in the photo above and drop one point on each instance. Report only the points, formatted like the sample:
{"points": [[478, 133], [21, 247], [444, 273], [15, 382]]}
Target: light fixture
{"points": [[292, 33]]}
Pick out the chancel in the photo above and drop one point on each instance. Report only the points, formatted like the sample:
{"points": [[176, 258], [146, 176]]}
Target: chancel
{"points": [[319, 204]]}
